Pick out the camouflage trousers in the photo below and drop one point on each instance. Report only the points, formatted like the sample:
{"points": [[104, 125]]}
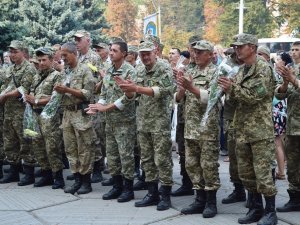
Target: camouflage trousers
{"points": [[16, 147], [156, 156], [79, 138], [119, 148], [181, 148], [292, 151], [255, 166], [97, 128], [2, 155], [46, 148], [202, 165]]}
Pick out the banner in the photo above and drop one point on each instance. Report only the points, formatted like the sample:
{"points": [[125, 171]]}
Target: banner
{"points": [[151, 24]]}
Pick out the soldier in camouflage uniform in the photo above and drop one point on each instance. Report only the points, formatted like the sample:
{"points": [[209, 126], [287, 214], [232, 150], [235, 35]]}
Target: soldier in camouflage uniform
{"points": [[90, 58], [252, 92], [46, 148], [79, 135], [290, 90], [16, 148], [155, 89], [120, 124], [201, 146]]}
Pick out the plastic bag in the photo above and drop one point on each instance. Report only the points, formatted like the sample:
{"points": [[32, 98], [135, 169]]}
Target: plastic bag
{"points": [[215, 91], [174, 124], [31, 127]]}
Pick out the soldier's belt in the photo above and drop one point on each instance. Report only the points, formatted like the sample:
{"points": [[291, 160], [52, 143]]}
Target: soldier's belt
{"points": [[77, 107]]}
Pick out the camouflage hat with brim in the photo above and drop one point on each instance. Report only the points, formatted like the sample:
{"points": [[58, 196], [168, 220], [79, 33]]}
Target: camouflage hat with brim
{"points": [[101, 45], [146, 46], [264, 50], [44, 51], [81, 33], [132, 48], [243, 39], [194, 39], [17, 44], [204, 45], [115, 39], [151, 38]]}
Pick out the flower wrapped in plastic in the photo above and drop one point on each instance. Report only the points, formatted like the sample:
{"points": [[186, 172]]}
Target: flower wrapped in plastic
{"points": [[31, 127], [224, 69], [52, 106]]}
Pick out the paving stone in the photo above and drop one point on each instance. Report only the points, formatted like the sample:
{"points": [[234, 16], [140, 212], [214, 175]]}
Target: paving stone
{"points": [[17, 218]]}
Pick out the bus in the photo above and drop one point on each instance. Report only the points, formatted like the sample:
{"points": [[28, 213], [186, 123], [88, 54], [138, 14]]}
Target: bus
{"points": [[277, 44]]}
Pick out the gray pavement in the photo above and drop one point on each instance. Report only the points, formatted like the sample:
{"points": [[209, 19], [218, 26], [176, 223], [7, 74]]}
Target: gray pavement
{"points": [[36, 206]]}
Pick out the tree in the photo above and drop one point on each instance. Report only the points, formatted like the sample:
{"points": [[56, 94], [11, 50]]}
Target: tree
{"points": [[121, 15]]}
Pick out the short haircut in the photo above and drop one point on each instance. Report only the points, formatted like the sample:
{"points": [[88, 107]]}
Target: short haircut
{"points": [[177, 49], [185, 54], [70, 46], [135, 54], [39, 54], [296, 43], [123, 46]]}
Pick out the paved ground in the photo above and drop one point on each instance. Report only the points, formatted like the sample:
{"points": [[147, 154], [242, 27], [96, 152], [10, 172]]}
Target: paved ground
{"points": [[35, 206]]}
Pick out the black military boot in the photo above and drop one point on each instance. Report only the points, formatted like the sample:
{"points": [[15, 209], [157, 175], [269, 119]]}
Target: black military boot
{"points": [[255, 212], [71, 177], [293, 204], [270, 217], [185, 189], [58, 180], [238, 194], [1, 167], [29, 176], [137, 166], [141, 184], [75, 187], [198, 205], [116, 191], [249, 199], [12, 176], [127, 193], [152, 198], [165, 202], [46, 179], [210, 209], [97, 175], [38, 173], [108, 182], [86, 186]]}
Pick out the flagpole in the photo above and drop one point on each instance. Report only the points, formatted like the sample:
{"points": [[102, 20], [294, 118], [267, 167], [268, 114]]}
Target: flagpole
{"points": [[241, 17]]}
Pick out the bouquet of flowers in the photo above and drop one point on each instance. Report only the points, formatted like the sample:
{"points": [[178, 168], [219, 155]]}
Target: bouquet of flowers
{"points": [[224, 69], [30, 124]]}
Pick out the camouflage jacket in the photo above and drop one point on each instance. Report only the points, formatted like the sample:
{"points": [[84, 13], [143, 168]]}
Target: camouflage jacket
{"points": [[91, 58], [252, 92], [153, 113], [111, 93], [81, 79], [293, 105], [43, 84], [195, 107], [19, 76]]}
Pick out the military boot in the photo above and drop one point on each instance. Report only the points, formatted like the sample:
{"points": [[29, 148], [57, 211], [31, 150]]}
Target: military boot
{"points": [[38, 173], [46, 179], [238, 195], [29, 176], [249, 199], [185, 189], [255, 212], [58, 180], [116, 191], [75, 187], [152, 198], [97, 175], [127, 193], [1, 167], [198, 205], [293, 204], [86, 186], [270, 217], [141, 184], [71, 177], [12, 176], [108, 182], [165, 202], [210, 209]]}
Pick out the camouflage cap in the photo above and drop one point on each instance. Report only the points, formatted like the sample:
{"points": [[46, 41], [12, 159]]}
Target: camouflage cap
{"points": [[115, 39], [17, 44], [146, 46], [101, 45], [82, 33], [132, 48], [204, 45], [151, 38], [243, 39], [33, 59], [264, 49], [45, 51], [194, 39]]}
